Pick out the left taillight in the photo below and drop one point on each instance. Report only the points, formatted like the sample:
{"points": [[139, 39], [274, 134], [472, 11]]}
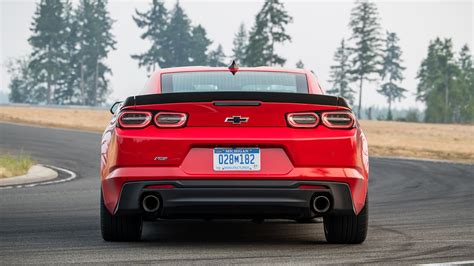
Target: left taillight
{"points": [[134, 119], [170, 119]]}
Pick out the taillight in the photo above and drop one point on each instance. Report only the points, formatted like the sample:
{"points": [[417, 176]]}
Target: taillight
{"points": [[338, 119], [134, 119], [170, 119], [306, 120]]}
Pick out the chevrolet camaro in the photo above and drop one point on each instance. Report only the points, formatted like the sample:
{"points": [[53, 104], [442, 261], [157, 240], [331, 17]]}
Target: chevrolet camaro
{"points": [[234, 143]]}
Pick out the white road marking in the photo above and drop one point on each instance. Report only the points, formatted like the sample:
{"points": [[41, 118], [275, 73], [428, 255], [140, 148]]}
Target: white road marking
{"points": [[451, 263], [71, 174]]}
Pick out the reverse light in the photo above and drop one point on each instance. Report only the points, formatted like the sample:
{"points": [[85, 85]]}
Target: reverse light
{"points": [[134, 119], [170, 119], [305, 120], [342, 120]]}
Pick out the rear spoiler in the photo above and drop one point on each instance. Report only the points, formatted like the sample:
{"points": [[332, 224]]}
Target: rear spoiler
{"points": [[278, 97]]}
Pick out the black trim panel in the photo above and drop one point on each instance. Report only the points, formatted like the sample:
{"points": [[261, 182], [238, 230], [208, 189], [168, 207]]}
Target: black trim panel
{"points": [[279, 97], [235, 198]]}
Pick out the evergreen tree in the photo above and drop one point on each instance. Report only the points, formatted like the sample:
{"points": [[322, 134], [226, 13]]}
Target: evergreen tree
{"points": [[364, 23], [68, 91], [96, 41], [340, 74], [391, 72], [464, 95], [268, 31], [199, 46], [178, 39], [437, 75], [217, 57], [299, 64], [22, 83], [48, 56], [240, 43], [154, 22]]}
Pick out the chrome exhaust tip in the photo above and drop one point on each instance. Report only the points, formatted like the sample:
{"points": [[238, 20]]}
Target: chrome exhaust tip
{"points": [[321, 204], [151, 203]]}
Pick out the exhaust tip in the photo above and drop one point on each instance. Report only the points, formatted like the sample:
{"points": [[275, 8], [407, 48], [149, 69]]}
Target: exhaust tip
{"points": [[151, 203], [321, 204]]}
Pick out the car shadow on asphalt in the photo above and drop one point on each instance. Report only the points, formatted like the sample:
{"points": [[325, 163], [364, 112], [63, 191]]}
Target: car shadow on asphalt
{"points": [[233, 232]]}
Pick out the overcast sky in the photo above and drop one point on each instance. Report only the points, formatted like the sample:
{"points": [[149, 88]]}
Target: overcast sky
{"points": [[317, 30]]}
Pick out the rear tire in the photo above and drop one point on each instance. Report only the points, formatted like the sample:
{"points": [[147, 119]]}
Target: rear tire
{"points": [[347, 229], [119, 227]]}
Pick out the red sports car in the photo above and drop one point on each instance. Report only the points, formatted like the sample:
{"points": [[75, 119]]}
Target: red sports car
{"points": [[244, 143]]}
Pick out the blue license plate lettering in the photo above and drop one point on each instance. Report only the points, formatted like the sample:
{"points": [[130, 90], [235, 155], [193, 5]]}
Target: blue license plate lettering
{"points": [[236, 159]]}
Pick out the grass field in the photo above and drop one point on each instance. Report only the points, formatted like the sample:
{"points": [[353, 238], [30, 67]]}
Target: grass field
{"points": [[400, 139]]}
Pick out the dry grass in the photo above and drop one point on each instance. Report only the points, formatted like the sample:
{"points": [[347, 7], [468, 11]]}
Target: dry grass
{"points": [[433, 141], [15, 165], [91, 120]]}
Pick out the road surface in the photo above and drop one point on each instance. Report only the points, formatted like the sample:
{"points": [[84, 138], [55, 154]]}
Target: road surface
{"points": [[420, 212]]}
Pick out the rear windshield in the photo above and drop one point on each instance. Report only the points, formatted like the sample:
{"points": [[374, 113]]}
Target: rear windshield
{"points": [[241, 81]]}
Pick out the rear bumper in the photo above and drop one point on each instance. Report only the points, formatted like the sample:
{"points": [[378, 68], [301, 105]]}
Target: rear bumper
{"points": [[123, 187], [235, 198]]}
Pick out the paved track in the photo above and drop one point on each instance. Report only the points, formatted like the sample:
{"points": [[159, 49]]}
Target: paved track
{"points": [[420, 212]]}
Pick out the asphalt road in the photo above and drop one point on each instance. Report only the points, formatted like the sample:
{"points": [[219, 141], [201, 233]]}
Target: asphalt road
{"points": [[420, 212]]}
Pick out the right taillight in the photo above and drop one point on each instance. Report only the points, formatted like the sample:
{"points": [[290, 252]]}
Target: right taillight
{"points": [[134, 119], [338, 119], [305, 120]]}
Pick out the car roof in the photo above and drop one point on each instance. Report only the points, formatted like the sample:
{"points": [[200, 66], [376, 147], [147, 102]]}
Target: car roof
{"points": [[209, 69]]}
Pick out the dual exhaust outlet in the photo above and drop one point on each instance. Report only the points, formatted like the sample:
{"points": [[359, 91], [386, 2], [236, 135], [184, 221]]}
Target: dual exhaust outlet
{"points": [[321, 204]]}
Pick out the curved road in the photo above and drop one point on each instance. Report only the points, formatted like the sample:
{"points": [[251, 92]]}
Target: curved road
{"points": [[420, 212]]}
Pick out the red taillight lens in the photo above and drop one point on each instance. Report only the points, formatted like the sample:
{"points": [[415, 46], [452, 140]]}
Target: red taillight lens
{"points": [[338, 119], [170, 119], [306, 120], [134, 119]]}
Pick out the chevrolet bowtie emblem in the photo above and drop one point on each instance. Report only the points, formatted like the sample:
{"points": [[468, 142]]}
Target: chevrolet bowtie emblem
{"points": [[236, 120]]}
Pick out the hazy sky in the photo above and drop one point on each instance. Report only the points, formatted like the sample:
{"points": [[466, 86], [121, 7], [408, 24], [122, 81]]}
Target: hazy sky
{"points": [[317, 30]]}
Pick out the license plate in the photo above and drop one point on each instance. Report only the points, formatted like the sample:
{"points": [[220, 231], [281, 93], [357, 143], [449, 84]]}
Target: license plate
{"points": [[236, 159]]}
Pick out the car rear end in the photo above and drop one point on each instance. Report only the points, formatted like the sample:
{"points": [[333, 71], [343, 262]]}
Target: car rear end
{"points": [[252, 144]]}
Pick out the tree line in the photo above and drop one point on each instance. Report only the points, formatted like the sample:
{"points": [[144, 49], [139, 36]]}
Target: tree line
{"points": [[176, 42], [71, 44], [446, 81]]}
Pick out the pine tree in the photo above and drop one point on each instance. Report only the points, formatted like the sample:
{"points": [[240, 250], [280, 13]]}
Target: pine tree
{"points": [[154, 22], [437, 75], [48, 56], [364, 23], [178, 39], [217, 57], [299, 64], [199, 46], [96, 41], [268, 31], [392, 72], [68, 91], [464, 95], [240, 43], [340, 74], [22, 83]]}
